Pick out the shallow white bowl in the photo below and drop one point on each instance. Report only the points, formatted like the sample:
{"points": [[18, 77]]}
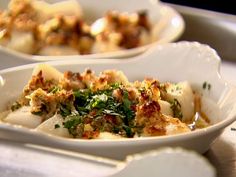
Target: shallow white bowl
{"points": [[170, 62], [168, 23]]}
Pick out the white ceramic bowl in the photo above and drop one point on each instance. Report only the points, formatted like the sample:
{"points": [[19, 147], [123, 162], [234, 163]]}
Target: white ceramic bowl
{"points": [[170, 62], [167, 22]]}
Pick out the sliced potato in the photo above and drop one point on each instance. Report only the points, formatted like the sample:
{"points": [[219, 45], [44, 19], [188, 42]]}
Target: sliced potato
{"points": [[22, 42], [165, 108], [145, 38], [108, 135], [114, 76], [23, 117], [175, 126], [183, 93], [47, 10], [54, 126], [48, 72]]}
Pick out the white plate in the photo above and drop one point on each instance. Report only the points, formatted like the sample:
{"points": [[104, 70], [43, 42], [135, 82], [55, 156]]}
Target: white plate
{"points": [[182, 163], [170, 62], [168, 23]]}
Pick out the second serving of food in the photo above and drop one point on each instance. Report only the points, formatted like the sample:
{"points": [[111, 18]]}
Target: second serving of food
{"points": [[106, 106], [36, 27]]}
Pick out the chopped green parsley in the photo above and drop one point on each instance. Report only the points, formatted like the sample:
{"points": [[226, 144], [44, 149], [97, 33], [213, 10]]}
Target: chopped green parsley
{"points": [[101, 110], [206, 85], [57, 126], [176, 108]]}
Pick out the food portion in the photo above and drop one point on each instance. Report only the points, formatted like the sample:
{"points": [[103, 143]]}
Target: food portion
{"points": [[35, 27], [118, 31], [39, 28], [105, 106]]}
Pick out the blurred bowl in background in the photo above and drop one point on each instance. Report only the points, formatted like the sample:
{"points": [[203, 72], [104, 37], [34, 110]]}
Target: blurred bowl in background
{"points": [[167, 23]]}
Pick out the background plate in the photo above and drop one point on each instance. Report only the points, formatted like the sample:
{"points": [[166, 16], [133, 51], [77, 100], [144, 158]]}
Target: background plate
{"points": [[168, 23]]}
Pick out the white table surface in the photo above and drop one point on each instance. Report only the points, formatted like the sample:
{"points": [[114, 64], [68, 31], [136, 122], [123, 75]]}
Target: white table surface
{"points": [[19, 160]]}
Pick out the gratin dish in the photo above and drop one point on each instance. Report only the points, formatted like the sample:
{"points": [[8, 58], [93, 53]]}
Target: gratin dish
{"points": [[168, 25], [174, 62]]}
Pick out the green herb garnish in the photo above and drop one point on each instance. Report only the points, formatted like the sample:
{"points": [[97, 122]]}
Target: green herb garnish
{"points": [[176, 108], [233, 129], [39, 113], [65, 110], [16, 105], [72, 123], [57, 126], [206, 85], [128, 130], [98, 101], [55, 89], [97, 105]]}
